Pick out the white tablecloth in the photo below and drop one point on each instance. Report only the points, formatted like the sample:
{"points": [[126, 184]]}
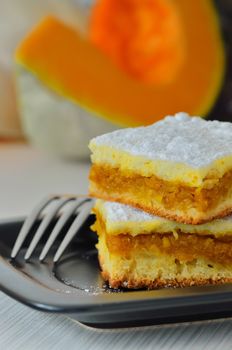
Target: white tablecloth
{"points": [[26, 176]]}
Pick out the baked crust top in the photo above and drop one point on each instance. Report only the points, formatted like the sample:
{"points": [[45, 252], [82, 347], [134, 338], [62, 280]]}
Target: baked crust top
{"points": [[179, 148], [179, 139]]}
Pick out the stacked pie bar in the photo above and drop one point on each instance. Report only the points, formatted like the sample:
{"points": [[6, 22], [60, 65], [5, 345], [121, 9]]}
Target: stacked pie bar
{"points": [[165, 195]]}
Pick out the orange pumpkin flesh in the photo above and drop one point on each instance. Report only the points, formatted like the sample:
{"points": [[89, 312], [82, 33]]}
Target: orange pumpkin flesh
{"points": [[76, 69], [145, 38]]}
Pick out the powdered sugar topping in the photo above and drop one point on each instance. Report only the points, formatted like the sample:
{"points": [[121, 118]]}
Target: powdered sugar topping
{"points": [[121, 213], [117, 212], [180, 138]]}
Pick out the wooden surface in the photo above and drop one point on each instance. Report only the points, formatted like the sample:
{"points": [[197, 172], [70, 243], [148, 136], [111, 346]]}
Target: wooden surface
{"points": [[25, 177]]}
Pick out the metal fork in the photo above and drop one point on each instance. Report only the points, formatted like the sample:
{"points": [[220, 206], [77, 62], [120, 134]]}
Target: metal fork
{"points": [[81, 205]]}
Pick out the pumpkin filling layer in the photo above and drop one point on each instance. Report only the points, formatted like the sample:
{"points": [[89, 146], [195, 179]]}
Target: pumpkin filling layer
{"points": [[170, 195], [183, 246]]}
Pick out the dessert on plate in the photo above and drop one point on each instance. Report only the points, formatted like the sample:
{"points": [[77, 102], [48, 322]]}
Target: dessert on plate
{"points": [[137, 249], [164, 192], [179, 168]]}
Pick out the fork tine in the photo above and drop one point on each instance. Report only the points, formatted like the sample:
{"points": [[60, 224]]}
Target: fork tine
{"points": [[28, 223], [58, 227], [43, 226], [77, 223]]}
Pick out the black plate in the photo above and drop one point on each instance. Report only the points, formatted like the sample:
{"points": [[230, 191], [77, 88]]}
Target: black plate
{"points": [[74, 286]]}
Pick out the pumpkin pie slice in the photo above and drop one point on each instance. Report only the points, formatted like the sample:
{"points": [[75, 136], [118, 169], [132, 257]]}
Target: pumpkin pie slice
{"points": [[140, 250], [179, 168]]}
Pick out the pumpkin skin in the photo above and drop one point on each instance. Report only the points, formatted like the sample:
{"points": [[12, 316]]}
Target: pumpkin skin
{"points": [[74, 71]]}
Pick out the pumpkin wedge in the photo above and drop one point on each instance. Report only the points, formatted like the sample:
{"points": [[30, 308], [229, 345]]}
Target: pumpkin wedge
{"points": [[144, 38], [77, 69]]}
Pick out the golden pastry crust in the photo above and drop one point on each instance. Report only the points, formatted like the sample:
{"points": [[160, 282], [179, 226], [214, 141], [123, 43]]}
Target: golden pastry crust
{"points": [[130, 282], [161, 283]]}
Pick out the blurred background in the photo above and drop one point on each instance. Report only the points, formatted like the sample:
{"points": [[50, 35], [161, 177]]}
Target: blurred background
{"points": [[130, 63], [74, 69]]}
